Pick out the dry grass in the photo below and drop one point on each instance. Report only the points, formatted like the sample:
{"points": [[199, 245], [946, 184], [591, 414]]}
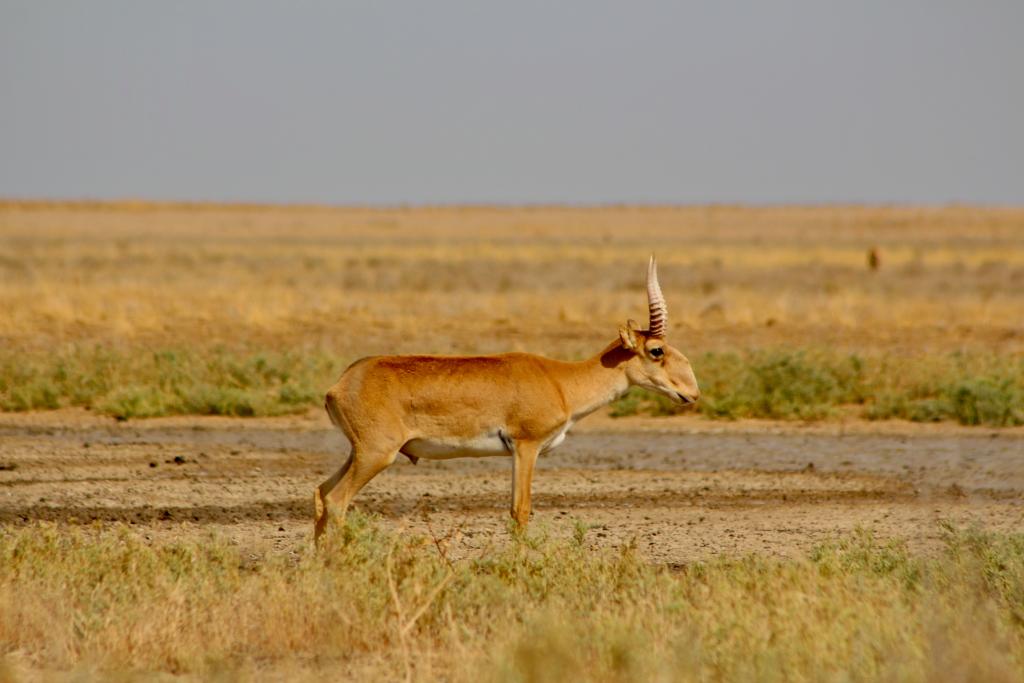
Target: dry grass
{"points": [[219, 286], [381, 606], [552, 280]]}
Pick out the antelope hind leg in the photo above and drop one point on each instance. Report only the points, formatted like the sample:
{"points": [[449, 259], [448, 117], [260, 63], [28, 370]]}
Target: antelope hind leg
{"points": [[334, 495], [319, 495]]}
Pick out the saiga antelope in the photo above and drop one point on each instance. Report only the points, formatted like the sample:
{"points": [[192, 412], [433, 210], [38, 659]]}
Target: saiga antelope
{"points": [[514, 404]]}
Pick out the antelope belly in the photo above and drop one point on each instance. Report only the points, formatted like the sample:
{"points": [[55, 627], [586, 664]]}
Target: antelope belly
{"points": [[439, 448]]}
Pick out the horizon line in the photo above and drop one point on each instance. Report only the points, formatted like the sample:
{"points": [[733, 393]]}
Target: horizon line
{"points": [[138, 203]]}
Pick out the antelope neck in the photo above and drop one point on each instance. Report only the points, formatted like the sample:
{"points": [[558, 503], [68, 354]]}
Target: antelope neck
{"points": [[596, 382]]}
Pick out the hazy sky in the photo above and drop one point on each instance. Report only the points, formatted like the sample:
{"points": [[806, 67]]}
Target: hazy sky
{"points": [[560, 101]]}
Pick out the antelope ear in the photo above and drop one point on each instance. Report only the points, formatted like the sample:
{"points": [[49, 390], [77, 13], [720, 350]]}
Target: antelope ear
{"points": [[627, 333]]}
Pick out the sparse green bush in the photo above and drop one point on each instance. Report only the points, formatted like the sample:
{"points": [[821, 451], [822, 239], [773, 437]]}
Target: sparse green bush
{"points": [[987, 400], [808, 385], [781, 385], [130, 383]]}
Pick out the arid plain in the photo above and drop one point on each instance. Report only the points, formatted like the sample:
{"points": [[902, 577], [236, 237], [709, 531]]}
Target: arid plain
{"points": [[343, 283], [551, 280], [231, 291]]}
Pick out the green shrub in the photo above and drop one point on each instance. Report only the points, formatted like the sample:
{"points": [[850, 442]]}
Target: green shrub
{"points": [[807, 385], [134, 383], [986, 400]]}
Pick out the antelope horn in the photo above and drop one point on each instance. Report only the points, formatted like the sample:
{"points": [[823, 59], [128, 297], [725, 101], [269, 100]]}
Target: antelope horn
{"points": [[656, 302]]}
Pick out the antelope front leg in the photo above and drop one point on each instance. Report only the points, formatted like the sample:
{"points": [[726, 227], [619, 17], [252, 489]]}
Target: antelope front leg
{"points": [[522, 475]]}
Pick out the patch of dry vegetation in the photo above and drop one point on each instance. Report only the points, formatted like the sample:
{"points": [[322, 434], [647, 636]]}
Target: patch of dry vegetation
{"points": [[383, 606], [552, 280], [177, 305], [137, 309]]}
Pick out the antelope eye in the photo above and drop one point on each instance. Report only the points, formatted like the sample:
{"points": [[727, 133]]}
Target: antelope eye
{"points": [[657, 352]]}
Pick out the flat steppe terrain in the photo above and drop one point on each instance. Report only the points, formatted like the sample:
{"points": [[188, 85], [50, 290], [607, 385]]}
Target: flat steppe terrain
{"points": [[684, 488]]}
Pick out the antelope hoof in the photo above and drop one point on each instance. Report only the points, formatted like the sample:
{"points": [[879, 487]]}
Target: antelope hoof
{"points": [[521, 519]]}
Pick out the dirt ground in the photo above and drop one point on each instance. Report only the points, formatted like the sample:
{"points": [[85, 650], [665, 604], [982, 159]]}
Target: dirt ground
{"points": [[681, 488]]}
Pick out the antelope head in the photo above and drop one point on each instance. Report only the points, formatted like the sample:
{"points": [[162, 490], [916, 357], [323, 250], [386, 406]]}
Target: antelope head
{"points": [[655, 365]]}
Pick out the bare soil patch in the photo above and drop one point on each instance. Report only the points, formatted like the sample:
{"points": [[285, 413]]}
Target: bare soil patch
{"points": [[681, 489]]}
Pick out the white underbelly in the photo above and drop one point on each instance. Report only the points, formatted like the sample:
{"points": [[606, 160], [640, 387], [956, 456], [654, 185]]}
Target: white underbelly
{"points": [[558, 437], [443, 447], [440, 448]]}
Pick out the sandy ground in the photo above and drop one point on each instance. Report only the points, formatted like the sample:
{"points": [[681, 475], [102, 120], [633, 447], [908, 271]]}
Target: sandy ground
{"points": [[681, 488]]}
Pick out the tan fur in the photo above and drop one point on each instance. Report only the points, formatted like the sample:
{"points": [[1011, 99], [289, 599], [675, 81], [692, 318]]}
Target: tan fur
{"points": [[384, 404]]}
